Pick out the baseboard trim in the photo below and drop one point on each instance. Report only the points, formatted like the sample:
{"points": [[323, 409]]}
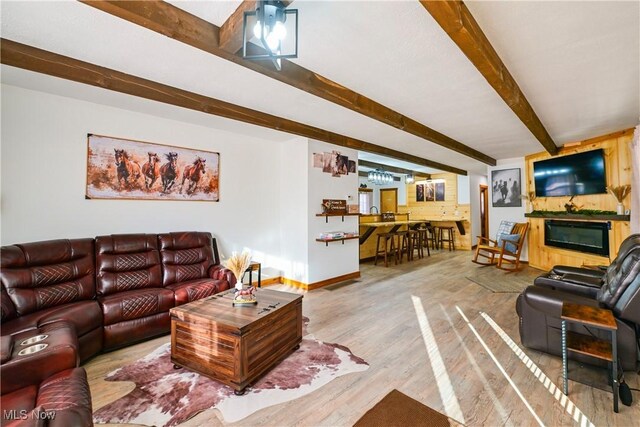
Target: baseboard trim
{"points": [[310, 286], [294, 283], [271, 281], [334, 280]]}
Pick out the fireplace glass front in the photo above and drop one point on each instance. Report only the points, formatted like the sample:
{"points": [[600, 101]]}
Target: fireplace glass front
{"points": [[583, 236]]}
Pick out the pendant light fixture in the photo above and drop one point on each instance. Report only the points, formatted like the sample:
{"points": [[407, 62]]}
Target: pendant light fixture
{"points": [[270, 32], [380, 177]]}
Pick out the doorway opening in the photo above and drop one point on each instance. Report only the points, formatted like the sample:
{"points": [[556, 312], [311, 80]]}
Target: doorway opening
{"points": [[484, 211]]}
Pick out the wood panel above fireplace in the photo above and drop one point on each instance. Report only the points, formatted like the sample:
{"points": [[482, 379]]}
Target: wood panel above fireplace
{"points": [[618, 171]]}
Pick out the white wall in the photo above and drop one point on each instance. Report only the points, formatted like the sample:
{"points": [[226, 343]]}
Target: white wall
{"points": [[475, 181], [515, 214], [294, 211], [44, 156], [463, 190], [336, 259]]}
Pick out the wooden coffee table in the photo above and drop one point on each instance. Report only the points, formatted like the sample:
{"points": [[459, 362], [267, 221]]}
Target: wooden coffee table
{"points": [[236, 345]]}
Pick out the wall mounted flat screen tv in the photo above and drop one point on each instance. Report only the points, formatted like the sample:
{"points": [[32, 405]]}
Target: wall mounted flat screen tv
{"points": [[581, 173]]}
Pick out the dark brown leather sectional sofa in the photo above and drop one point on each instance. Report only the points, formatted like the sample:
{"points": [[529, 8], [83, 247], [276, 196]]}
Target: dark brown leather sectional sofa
{"points": [[539, 307], [86, 296]]}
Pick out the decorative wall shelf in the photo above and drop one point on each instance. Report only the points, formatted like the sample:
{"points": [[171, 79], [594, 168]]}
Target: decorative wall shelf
{"points": [[327, 215], [551, 215], [342, 239]]}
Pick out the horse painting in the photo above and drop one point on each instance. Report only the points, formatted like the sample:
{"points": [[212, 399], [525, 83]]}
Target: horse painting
{"points": [[193, 173], [151, 170], [148, 171], [169, 171], [128, 170]]}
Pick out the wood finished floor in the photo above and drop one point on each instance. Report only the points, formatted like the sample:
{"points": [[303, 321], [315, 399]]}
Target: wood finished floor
{"points": [[380, 319]]}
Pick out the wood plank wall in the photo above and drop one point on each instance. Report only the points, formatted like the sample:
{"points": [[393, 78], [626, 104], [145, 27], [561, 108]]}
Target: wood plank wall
{"points": [[439, 209], [618, 171]]}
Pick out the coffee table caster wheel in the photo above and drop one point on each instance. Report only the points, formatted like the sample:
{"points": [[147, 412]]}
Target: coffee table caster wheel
{"points": [[240, 392], [177, 367]]}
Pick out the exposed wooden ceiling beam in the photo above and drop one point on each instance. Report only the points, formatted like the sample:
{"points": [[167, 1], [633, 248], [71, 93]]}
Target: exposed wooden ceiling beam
{"points": [[41, 61], [366, 175], [180, 25], [456, 20], [231, 30], [394, 169]]}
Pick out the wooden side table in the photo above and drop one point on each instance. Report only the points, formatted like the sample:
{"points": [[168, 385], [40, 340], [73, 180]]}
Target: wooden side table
{"points": [[590, 346], [254, 266]]}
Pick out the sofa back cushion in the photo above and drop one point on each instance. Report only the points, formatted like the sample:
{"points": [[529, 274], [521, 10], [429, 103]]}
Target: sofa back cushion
{"points": [[46, 274], [621, 286], [185, 256], [7, 309], [127, 261]]}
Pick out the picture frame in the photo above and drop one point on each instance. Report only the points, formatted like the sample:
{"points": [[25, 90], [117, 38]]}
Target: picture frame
{"points": [[119, 168], [506, 188], [419, 193], [429, 192]]}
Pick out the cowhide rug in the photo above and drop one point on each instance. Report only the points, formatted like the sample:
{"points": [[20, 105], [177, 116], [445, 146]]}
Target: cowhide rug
{"points": [[165, 396]]}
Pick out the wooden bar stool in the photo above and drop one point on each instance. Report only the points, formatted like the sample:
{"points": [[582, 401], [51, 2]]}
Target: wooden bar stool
{"points": [[415, 244], [447, 234], [387, 250], [423, 239], [432, 236], [403, 244]]}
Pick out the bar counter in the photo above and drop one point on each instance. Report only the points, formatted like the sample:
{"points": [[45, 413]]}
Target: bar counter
{"points": [[372, 225]]}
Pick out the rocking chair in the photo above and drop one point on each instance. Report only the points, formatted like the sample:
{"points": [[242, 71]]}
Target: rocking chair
{"points": [[505, 250]]}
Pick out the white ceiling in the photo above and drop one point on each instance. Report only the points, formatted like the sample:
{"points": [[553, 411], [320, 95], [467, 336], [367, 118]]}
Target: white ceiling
{"points": [[577, 62]]}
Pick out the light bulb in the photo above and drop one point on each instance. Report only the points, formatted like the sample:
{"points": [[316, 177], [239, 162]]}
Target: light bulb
{"points": [[256, 29], [280, 30], [272, 41]]}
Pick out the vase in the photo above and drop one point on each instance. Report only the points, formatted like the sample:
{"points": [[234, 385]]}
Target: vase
{"points": [[620, 209]]}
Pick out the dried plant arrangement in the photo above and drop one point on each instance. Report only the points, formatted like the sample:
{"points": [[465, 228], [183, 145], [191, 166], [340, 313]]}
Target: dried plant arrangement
{"points": [[620, 192], [238, 264]]}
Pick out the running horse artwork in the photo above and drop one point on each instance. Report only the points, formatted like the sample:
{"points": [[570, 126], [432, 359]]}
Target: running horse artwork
{"points": [[128, 170], [151, 170], [169, 171], [193, 173]]}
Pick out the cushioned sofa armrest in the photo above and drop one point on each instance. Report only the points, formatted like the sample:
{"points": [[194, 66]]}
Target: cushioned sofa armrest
{"points": [[6, 345], [549, 301], [218, 272], [567, 269], [573, 283]]}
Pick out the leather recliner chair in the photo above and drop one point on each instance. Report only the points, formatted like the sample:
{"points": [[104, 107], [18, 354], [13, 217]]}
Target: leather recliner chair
{"points": [[190, 267], [585, 281], [618, 289], [129, 285], [52, 281]]}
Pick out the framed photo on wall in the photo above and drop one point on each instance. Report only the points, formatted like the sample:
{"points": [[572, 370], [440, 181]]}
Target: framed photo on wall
{"points": [[429, 192], [506, 188], [419, 193], [128, 169], [439, 189]]}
